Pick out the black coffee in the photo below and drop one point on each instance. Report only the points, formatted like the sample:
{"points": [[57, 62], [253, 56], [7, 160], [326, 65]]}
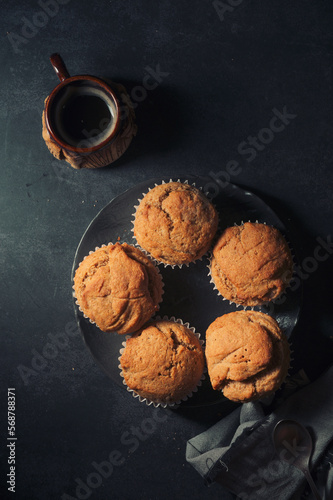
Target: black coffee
{"points": [[84, 117]]}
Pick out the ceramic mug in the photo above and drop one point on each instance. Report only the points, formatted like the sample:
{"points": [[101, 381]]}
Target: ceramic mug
{"points": [[86, 120]]}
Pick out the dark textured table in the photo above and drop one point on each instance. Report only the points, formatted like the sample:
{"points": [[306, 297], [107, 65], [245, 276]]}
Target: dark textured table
{"points": [[239, 91]]}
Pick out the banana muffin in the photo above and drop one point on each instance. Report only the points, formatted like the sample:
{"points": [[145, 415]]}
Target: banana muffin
{"points": [[247, 355], [118, 288], [175, 223], [251, 264], [163, 362]]}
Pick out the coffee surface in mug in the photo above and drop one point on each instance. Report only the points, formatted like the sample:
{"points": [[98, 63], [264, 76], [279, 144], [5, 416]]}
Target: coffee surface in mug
{"points": [[84, 116]]}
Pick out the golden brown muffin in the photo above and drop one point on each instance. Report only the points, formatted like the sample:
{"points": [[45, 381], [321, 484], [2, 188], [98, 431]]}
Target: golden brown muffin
{"points": [[175, 223], [251, 264], [247, 355], [118, 288], [163, 362]]}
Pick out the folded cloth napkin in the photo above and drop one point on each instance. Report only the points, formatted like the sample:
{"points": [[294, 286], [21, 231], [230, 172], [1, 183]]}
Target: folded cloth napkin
{"points": [[238, 452]]}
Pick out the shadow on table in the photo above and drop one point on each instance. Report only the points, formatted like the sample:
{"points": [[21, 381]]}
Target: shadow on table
{"points": [[160, 117]]}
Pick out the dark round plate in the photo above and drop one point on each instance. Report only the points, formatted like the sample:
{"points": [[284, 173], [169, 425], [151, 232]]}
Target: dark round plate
{"points": [[188, 293]]}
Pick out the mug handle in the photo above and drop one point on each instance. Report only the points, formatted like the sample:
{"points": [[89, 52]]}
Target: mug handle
{"points": [[59, 67]]}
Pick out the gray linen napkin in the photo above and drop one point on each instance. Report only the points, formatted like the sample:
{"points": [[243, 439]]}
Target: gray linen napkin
{"points": [[238, 451]]}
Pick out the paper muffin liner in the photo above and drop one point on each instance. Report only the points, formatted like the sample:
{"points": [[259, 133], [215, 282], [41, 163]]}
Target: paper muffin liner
{"points": [[106, 245], [264, 304], [157, 403], [160, 262]]}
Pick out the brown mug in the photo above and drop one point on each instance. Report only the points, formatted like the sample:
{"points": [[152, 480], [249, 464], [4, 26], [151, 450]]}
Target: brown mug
{"points": [[87, 121]]}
